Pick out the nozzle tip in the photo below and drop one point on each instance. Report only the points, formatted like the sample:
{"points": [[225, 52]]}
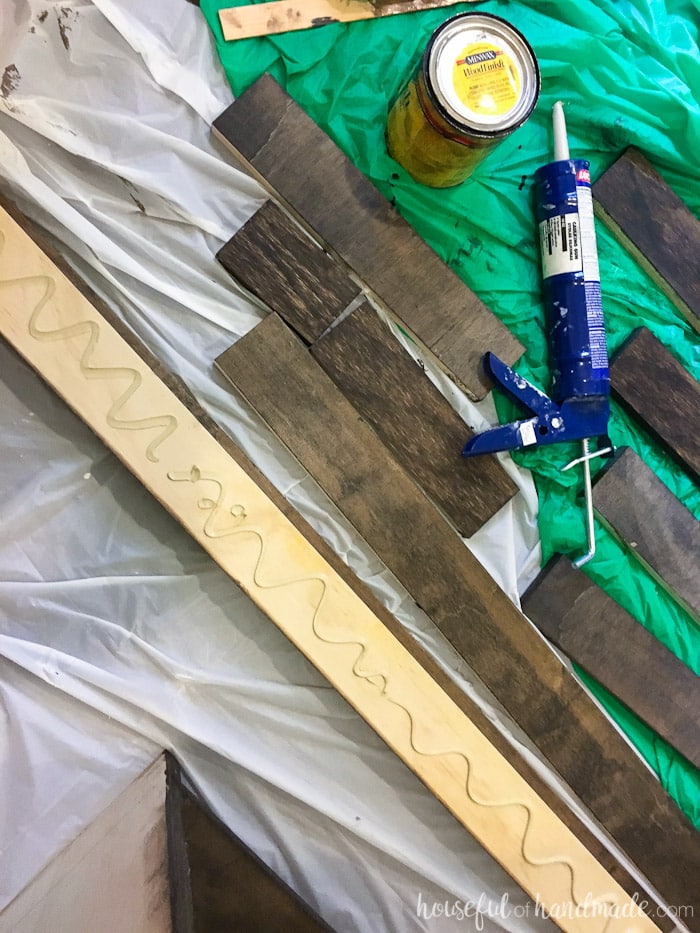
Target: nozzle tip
{"points": [[561, 144]]}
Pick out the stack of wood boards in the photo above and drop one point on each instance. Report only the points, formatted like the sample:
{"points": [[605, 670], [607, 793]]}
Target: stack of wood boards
{"points": [[273, 370], [198, 480]]}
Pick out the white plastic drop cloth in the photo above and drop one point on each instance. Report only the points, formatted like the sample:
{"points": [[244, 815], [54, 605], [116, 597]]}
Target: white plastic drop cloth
{"points": [[118, 635]]}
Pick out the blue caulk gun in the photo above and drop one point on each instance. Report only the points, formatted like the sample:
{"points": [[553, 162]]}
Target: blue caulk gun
{"points": [[580, 406]]}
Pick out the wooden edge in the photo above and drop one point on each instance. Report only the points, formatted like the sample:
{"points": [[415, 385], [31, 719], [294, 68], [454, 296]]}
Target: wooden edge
{"points": [[194, 478], [279, 16]]}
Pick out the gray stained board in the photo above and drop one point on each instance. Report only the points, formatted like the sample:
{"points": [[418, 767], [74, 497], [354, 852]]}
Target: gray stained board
{"points": [[270, 367], [183, 904], [650, 382], [653, 522], [650, 219], [304, 168], [601, 636], [298, 281], [282, 266]]}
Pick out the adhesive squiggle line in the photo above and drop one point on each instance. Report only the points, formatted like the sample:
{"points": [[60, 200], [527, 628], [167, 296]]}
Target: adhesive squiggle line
{"points": [[377, 679], [168, 423]]}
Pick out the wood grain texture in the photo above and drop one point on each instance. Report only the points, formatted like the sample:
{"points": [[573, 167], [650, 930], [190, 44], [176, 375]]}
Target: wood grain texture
{"points": [[650, 382], [77, 352], [309, 290], [113, 876], [307, 411], [298, 162], [597, 633], [228, 886], [460, 699], [653, 522], [412, 418], [655, 225], [277, 16], [288, 271]]}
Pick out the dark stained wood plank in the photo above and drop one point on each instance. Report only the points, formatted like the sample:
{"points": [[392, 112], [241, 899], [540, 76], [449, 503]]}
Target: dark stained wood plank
{"points": [[228, 887], [650, 219], [597, 633], [298, 162], [650, 794], [653, 522], [287, 270], [652, 384], [412, 418], [271, 368]]}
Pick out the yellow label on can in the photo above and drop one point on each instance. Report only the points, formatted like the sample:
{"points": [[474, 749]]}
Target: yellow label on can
{"points": [[486, 79]]}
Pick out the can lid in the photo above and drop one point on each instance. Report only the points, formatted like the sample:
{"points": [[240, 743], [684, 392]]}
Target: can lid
{"points": [[482, 73]]}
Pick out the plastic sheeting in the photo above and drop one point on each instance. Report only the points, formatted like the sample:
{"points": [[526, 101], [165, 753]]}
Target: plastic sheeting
{"points": [[628, 72], [118, 636]]}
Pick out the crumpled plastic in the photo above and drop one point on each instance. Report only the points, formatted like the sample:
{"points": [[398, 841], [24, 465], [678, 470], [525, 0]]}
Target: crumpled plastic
{"points": [[628, 73]]}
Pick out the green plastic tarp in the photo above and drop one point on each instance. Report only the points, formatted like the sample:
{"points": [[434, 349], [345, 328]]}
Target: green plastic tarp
{"points": [[628, 72]]}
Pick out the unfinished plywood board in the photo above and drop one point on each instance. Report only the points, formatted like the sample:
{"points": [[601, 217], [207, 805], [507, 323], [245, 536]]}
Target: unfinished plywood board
{"points": [[295, 159], [272, 369], [651, 383], [296, 279], [114, 876], [653, 522], [655, 225], [106, 382], [597, 633], [288, 271], [267, 19]]}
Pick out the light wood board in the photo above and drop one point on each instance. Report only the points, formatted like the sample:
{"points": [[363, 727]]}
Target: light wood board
{"points": [[266, 19], [309, 174], [272, 369], [76, 351]]}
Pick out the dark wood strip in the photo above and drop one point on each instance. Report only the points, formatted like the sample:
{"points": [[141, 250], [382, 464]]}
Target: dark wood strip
{"points": [[271, 368], [298, 162], [597, 633], [673, 818], [652, 384], [655, 225], [227, 886], [653, 522], [413, 419], [282, 266]]}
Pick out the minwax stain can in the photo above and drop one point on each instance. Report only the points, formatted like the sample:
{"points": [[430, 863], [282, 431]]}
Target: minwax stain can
{"points": [[477, 82]]}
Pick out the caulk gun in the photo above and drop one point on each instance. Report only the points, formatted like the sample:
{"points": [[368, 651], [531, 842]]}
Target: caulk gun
{"points": [[580, 406]]}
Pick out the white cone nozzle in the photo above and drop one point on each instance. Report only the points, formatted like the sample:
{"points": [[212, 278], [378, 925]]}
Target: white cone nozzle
{"points": [[561, 143]]}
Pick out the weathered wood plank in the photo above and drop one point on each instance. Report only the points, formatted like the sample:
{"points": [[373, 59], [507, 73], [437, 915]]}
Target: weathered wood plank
{"points": [[307, 411], [655, 225], [652, 384], [297, 280], [298, 162], [277, 16], [287, 270], [412, 418], [403, 637], [620, 653], [167, 449], [228, 887], [653, 522]]}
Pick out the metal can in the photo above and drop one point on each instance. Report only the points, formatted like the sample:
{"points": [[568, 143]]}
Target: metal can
{"points": [[477, 82]]}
